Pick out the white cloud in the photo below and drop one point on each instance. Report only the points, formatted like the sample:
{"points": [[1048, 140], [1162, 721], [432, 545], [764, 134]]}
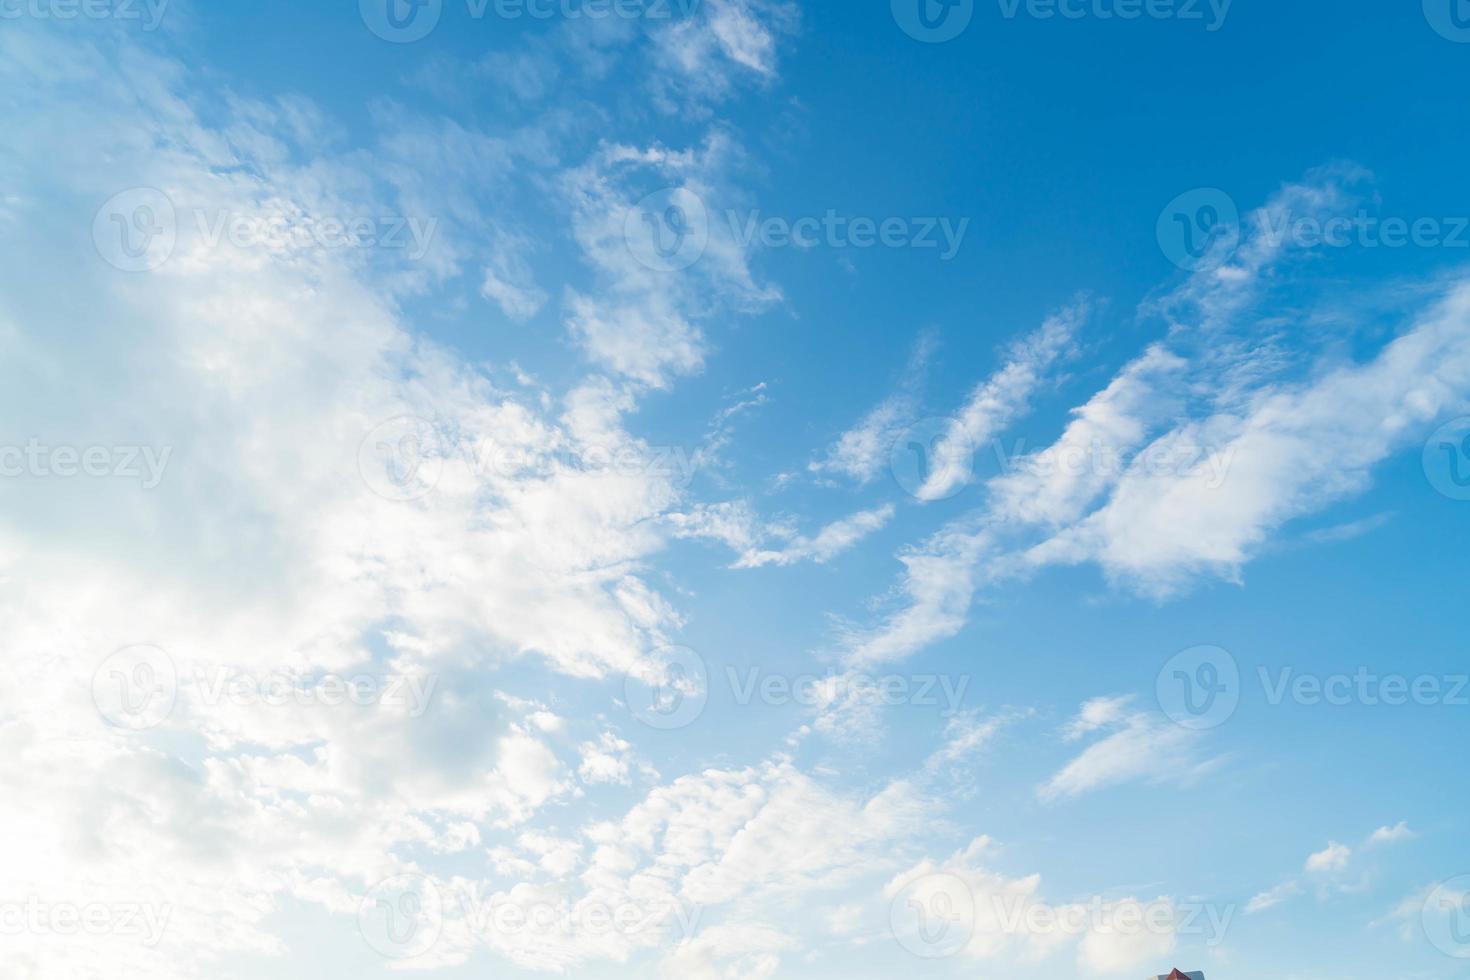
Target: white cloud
{"points": [[1009, 917], [1141, 747], [1391, 835], [863, 451], [1273, 897], [1198, 451], [938, 585], [508, 281], [606, 760], [998, 400], [1334, 857], [826, 544]]}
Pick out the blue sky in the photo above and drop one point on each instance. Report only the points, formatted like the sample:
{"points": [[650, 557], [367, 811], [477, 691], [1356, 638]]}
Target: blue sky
{"points": [[734, 489]]}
